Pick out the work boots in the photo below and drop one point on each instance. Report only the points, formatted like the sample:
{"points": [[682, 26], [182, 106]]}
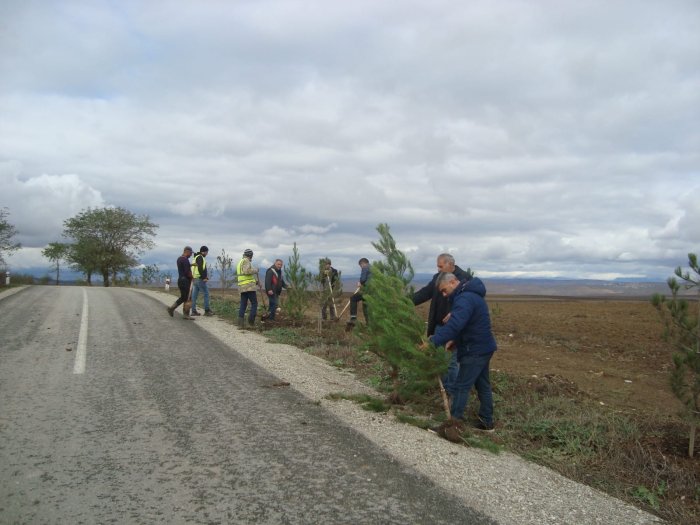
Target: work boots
{"points": [[186, 314], [171, 309], [241, 322]]}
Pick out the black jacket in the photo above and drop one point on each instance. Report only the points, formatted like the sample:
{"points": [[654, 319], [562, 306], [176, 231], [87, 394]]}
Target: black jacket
{"points": [[274, 281], [439, 305]]}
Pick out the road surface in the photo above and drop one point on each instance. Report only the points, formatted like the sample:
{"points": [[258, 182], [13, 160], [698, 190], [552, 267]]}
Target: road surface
{"points": [[113, 412]]}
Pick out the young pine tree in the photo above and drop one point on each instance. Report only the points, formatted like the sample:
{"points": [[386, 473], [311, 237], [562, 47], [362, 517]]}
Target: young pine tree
{"points": [[682, 323], [395, 330], [298, 280]]}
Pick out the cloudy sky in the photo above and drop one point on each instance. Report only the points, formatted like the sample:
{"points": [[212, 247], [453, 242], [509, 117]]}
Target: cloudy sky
{"points": [[541, 138]]}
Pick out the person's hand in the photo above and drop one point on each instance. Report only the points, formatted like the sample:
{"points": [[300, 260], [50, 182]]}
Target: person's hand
{"points": [[450, 346], [205, 280], [270, 293], [446, 318]]}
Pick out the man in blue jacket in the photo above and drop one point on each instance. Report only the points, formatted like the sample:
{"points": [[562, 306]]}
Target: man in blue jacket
{"points": [[468, 332]]}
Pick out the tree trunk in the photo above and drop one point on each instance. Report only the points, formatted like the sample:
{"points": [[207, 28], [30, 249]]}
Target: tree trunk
{"points": [[105, 278], [691, 441]]}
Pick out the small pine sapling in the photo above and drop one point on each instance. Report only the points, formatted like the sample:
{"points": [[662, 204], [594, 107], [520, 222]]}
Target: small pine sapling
{"points": [[395, 330], [682, 327], [298, 280]]}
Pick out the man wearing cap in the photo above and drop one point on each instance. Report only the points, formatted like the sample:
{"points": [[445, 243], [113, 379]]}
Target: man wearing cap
{"points": [[201, 277], [184, 279], [247, 286]]}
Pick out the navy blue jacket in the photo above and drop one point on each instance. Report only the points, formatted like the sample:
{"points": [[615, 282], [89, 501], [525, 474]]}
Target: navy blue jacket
{"points": [[470, 324]]}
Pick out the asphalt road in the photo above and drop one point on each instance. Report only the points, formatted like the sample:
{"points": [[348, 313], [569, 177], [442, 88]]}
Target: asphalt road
{"points": [[112, 412]]}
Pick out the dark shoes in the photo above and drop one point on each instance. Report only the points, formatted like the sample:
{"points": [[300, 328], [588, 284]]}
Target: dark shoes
{"points": [[195, 312], [171, 311], [483, 426], [208, 313]]}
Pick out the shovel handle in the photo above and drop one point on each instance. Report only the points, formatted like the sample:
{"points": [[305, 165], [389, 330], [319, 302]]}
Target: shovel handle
{"points": [[445, 401]]}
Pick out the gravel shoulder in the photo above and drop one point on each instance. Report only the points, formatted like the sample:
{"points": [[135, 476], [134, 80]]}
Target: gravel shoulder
{"points": [[504, 487]]}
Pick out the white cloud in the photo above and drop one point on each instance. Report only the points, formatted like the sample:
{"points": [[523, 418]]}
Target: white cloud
{"points": [[522, 137]]}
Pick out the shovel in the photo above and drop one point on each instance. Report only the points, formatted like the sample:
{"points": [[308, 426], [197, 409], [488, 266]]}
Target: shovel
{"points": [[337, 318]]}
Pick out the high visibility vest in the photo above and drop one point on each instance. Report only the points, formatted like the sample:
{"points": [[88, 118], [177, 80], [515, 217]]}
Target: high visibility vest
{"points": [[244, 279], [195, 266]]}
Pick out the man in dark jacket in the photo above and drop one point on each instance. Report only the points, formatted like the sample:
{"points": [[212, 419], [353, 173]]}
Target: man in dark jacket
{"points": [[440, 307], [184, 281], [468, 334], [274, 283], [329, 280]]}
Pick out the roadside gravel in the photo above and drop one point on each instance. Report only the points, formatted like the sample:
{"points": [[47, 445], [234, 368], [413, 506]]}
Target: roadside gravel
{"points": [[505, 487]]}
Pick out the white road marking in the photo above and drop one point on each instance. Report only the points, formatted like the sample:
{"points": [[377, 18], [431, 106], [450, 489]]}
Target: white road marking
{"points": [[81, 353]]}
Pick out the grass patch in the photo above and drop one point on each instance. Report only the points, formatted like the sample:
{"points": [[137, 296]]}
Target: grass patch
{"points": [[370, 403]]}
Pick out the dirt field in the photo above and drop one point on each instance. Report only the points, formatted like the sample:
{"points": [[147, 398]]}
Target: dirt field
{"points": [[612, 350]]}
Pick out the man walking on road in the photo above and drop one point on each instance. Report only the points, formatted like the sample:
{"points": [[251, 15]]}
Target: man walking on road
{"points": [[184, 281], [440, 307], [274, 283], [468, 334], [247, 286], [201, 279]]}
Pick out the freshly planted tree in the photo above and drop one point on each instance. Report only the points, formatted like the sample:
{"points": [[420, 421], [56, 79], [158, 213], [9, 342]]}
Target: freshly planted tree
{"points": [[395, 331], [682, 326], [227, 273], [56, 252], [298, 280], [7, 232], [108, 239], [396, 262]]}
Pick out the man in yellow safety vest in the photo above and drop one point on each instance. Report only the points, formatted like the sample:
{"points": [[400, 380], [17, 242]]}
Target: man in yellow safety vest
{"points": [[247, 286]]}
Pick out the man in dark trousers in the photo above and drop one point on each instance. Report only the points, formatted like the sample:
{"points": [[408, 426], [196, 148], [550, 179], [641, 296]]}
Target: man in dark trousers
{"points": [[274, 283], [201, 279], [329, 279], [440, 307], [357, 296], [184, 280], [468, 334]]}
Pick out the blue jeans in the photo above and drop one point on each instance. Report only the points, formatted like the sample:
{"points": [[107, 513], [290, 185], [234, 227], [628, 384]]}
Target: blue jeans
{"points": [[274, 301], [253, 298], [200, 284], [448, 380], [473, 372]]}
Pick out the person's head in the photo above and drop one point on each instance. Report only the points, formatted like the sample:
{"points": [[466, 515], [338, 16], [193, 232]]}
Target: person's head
{"points": [[204, 250], [278, 264], [364, 262], [327, 264], [447, 282], [445, 263], [187, 251], [248, 253]]}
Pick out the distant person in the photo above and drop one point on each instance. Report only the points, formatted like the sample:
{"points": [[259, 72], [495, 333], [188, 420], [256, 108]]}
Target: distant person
{"points": [[468, 333], [274, 284], [357, 296], [201, 279], [440, 307], [329, 282], [247, 286], [167, 284], [184, 281]]}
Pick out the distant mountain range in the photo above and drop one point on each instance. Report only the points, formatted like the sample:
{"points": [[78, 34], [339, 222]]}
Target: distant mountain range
{"points": [[495, 286]]}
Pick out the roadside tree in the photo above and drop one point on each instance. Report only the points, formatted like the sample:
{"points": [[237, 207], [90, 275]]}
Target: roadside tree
{"points": [[108, 240], [226, 271], [150, 274], [56, 252], [7, 232], [682, 327]]}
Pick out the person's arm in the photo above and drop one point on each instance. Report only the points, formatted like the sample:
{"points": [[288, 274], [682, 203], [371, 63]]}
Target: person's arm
{"points": [[424, 294], [268, 281], [199, 261], [461, 312]]}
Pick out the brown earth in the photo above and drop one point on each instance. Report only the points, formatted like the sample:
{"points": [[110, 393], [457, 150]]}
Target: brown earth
{"points": [[612, 350]]}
